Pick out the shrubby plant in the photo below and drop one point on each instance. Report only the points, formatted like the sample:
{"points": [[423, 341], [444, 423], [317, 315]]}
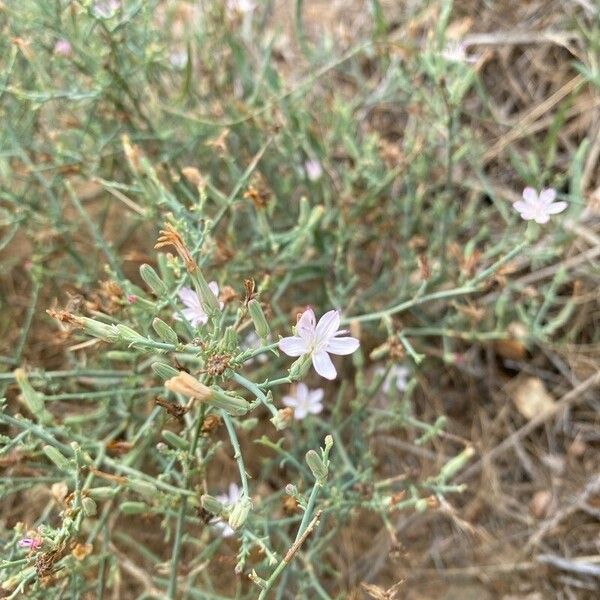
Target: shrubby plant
{"points": [[195, 409]]}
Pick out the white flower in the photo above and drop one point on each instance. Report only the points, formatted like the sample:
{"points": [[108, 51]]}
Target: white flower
{"points": [[313, 170], [228, 500], [319, 340], [457, 52], [305, 401], [194, 311], [105, 9], [240, 6], [178, 59], [397, 375], [252, 342], [539, 207], [62, 48]]}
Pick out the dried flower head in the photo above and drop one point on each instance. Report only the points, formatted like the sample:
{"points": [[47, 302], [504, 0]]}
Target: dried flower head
{"points": [[187, 385], [170, 237]]}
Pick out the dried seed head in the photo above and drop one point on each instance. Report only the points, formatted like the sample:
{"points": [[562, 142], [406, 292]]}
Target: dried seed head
{"points": [[194, 177], [217, 365], [170, 237], [210, 423]]}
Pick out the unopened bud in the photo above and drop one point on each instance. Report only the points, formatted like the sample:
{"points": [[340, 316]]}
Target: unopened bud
{"points": [[152, 280], [317, 466], [175, 440], [57, 458], [258, 318], [133, 508], [211, 504], [102, 493], [300, 367], [164, 331], [144, 488], [209, 302], [239, 513], [454, 465], [163, 370], [99, 330], [421, 505], [126, 334], [88, 506], [232, 404], [34, 400]]}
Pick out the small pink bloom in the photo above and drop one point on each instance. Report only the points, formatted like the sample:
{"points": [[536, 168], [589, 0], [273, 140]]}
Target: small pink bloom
{"points": [[132, 298], [29, 543], [304, 401], [313, 170], [194, 312], [540, 206], [62, 48], [228, 500], [319, 340], [105, 9]]}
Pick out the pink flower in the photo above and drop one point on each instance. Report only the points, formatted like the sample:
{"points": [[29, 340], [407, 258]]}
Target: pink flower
{"points": [[62, 48], [319, 341], [539, 207], [228, 500], [305, 401], [194, 311], [105, 9], [29, 543], [313, 170]]}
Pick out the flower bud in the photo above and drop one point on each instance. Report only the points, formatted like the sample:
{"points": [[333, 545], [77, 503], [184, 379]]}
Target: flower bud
{"points": [[175, 440], [126, 334], [455, 464], [165, 332], [258, 318], [99, 330], [133, 508], [300, 367], [210, 303], [152, 280], [34, 400], [232, 404], [317, 466], [421, 505], [88, 506], [291, 490], [230, 338], [163, 370], [144, 488], [57, 458], [211, 504], [102, 493], [239, 513]]}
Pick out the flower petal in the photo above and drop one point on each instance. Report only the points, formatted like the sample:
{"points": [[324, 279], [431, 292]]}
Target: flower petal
{"points": [[520, 206], [328, 325], [290, 401], [530, 195], [547, 196], [293, 346], [189, 297], [342, 345], [305, 327], [315, 396], [556, 207], [323, 365], [300, 412], [542, 218], [302, 393], [315, 409], [195, 316]]}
